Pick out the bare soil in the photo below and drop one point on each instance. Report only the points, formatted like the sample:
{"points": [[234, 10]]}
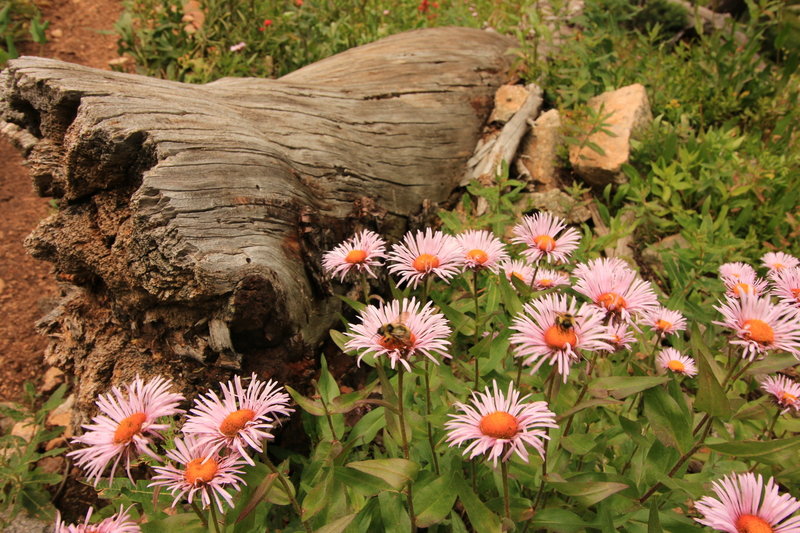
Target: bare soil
{"points": [[81, 31]]}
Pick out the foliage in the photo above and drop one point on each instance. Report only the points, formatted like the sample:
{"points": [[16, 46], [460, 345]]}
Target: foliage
{"points": [[20, 20], [22, 483]]}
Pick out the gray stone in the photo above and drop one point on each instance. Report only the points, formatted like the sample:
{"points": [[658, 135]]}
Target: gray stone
{"points": [[539, 153]]}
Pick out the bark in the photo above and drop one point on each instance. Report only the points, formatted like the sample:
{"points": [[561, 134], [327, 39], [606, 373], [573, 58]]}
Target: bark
{"points": [[192, 217]]}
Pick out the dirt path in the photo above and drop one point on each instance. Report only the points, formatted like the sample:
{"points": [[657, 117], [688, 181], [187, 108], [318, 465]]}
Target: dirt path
{"points": [[81, 31]]}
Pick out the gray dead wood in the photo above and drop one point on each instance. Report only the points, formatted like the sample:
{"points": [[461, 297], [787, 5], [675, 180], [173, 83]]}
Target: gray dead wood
{"points": [[192, 217]]}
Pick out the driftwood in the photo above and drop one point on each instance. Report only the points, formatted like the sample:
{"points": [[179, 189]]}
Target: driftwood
{"points": [[192, 217]]}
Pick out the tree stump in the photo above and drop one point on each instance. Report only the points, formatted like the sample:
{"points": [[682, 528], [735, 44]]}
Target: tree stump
{"points": [[192, 218]]}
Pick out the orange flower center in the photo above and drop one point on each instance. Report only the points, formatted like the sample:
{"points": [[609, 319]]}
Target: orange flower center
{"points": [[557, 338], [518, 276], [236, 421], [545, 282], [128, 428], [355, 256], [796, 293], [663, 325], [748, 523], [676, 366], [612, 301], [742, 288], [544, 242], [778, 266], [500, 425], [425, 262], [479, 256], [787, 399], [198, 472], [759, 331]]}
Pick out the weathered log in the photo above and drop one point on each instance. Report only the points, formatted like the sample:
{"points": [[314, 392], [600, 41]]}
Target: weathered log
{"points": [[192, 217]]}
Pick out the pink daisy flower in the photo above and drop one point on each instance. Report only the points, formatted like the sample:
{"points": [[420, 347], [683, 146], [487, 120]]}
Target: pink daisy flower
{"points": [[736, 270], [674, 361], [617, 291], [203, 472], [360, 253], [241, 419], [744, 283], [547, 237], [610, 264], [400, 330], [126, 426], [745, 505], [785, 391], [481, 250], [665, 321], [761, 325], [500, 424], [552, 329], [547, 279], [517, 269], [777, 261], [118, 523], [421, 254], [621, 336], [786, 286]]}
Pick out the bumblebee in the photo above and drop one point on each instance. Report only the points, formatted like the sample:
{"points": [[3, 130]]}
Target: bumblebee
{"points": [[565, 321], [396, 335]]}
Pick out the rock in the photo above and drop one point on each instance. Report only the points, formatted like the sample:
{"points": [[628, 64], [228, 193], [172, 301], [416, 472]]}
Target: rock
{"points": [[51, 465], [62, 415], [507, 101], [52, 378], [56, 33], [24, 524], [6, 422], [25, 429], [560, 204], [625, 112], [539, 152], [651, 256]]}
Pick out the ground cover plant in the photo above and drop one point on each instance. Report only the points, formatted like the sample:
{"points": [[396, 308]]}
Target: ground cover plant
{"points": [[519, 379]]}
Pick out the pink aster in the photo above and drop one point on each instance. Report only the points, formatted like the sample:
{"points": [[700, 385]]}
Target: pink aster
{"points": [[420, 255], [621, 336], [547, 279], [399, 330], [540, 338], [241, 419], [360, 253], [118, 523], [760, 325], [517, 269], [777, 261], [744, 283], [665, 321], [736, 270], [609, 264], [500, 424], [201, 472], [547, 237], [786, 286], [746, 505], [616, 290], [785, 392], [482, 250], [674, 361], [126, 426]]}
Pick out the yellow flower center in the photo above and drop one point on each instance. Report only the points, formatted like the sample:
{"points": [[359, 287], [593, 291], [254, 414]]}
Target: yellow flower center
{"points": [[236, 421], [128, 428], [759, 331], [778, 266], [355, 256], [557, 338], [748, 523], [500, 425], [612, 301], [787, 399], [742, 288], [479, 256], [544, 242], [663, 325], [425, 262], [198, 472], [676, 366]]}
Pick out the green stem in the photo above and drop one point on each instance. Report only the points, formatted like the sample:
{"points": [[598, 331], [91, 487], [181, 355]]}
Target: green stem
{"points": [[199, 513], [518, 382], [428, 415], [506, 497], [364, 287], [770, 429], [477, 324], [327, 413], [404, 439], [287, 489], [739, 374], [213, 516]]}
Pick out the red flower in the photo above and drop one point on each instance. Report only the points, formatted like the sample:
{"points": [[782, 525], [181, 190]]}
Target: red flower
{"points": [[423, 6], [267, 23]]}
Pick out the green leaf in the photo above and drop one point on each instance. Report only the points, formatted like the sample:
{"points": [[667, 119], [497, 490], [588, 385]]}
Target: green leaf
{"points": [[338, 525], [339, 338], [393, 513], [313, 407], [434, 500], [667, 420], [772, 363], [347, 402], [358, 306], [395, 472], [622, 386], [710, 397], [585, 405], [480, 516], [756, 449], [361, 482], [462, 323], [277, 492], [328, 388], [183, 522], [588, 492], [653, 521], [558, 520]]}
